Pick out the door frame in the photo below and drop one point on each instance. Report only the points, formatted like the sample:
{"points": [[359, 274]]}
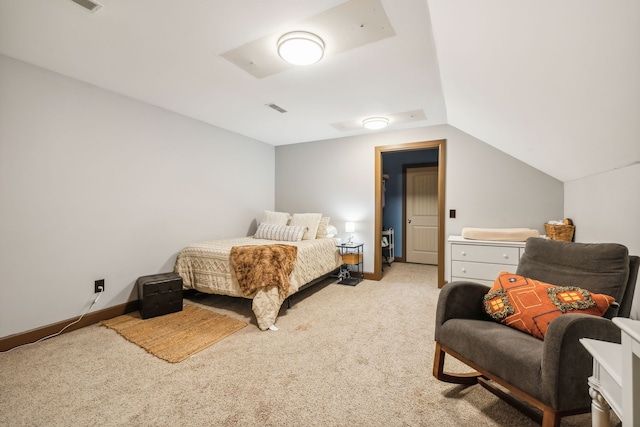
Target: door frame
{"points": [[424, 145]]}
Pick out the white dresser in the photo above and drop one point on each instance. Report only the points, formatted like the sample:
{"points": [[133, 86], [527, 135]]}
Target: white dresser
{"points": [[482, 260]]}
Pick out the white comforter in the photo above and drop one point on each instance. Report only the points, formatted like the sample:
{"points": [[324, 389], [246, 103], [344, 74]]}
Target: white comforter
{"points": [[205, 267]]}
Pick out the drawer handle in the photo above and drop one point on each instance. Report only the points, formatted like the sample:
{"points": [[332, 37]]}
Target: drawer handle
{"points": [[505, 256], [463, 253], [464, 270]]}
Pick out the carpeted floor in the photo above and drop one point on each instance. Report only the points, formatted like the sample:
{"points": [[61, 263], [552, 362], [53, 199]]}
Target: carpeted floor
{"points": [[344, 356]]}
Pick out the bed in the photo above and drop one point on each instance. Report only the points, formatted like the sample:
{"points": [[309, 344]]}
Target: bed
{"points": [[209, 267]]}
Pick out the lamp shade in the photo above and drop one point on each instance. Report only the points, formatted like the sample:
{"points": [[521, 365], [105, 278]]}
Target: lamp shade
{"points": [[300, 48], [375, 123], [349, 227]]}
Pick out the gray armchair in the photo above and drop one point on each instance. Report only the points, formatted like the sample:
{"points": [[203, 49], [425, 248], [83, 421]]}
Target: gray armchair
{"points": [[549, 374]]}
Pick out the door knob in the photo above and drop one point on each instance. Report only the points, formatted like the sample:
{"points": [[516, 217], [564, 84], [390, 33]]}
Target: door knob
{"points": [[409, 221]]}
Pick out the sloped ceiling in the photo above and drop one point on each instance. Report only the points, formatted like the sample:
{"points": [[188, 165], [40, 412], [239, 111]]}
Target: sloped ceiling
{"points": [[553, 83]]}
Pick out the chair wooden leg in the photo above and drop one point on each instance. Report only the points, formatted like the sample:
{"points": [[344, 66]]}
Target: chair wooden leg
{"points": [[508, 398], [438, 370], [545, 415], [551, 419]]}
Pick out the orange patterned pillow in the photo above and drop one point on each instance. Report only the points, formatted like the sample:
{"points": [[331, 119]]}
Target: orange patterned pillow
{"points": [[530, 305]]}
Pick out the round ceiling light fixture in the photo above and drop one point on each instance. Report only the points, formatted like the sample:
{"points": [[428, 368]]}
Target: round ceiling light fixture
{"points": [[300, 48], [375, 123]]}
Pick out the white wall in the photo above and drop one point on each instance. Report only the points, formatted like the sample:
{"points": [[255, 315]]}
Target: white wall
{"points": [[95, 185], [487, 187], [606, 208]]}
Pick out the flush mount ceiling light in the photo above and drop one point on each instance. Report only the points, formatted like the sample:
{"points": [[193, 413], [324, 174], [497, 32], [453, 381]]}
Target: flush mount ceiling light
{"points": [[300, 48], [375, 123]]}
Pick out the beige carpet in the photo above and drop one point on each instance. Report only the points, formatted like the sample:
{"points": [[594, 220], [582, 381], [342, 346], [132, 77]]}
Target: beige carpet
{"points": [[344, 356], [176, 336]]}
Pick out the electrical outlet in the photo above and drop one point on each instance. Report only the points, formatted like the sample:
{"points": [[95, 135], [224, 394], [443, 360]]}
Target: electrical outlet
{"points": [[99, 286]]}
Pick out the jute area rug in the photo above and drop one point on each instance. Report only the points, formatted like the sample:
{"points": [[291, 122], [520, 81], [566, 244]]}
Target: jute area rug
{"points": [[175, 337]]}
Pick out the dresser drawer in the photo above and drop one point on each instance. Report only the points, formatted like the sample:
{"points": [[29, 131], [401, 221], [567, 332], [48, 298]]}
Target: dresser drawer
{"points": [[475, 270], [486, 254], [481, 281]]}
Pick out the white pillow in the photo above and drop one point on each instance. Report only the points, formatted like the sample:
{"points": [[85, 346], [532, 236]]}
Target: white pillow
{"points": [[310, 220], [322, 227], [284, 233], [276, 218], [332, 231]]}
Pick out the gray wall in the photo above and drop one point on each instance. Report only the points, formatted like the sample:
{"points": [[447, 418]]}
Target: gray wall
{"points": [[487, 187], [95, 185]]}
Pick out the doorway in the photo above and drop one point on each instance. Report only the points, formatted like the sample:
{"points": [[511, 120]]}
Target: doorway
{"points": [[440, 146]]}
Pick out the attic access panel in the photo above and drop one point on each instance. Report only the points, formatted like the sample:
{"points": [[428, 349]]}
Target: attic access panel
{"points": [[345, 27]]}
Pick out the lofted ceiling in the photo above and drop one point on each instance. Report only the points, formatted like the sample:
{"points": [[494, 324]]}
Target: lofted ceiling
{"points": [[553, 83]]}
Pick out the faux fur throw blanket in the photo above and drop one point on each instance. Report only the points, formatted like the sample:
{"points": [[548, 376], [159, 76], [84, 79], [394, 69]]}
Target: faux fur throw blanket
{"points": [[261, 266]]}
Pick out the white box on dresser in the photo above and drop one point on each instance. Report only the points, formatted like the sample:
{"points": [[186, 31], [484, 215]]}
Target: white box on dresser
{"points": [[482, 260]]}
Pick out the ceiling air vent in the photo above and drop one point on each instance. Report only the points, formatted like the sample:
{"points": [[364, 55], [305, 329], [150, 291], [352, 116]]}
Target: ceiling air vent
{"points": [[90, 5], [277, 108]]}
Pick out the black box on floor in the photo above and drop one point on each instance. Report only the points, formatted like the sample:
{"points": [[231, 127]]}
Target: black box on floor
{"points": [[159, 294]]}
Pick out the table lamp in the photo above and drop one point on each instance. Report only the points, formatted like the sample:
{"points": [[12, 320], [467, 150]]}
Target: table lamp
{"points": [[350, 228]]}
